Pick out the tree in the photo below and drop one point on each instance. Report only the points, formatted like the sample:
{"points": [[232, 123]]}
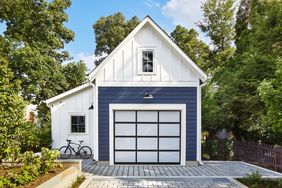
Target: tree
{"points": [[218, 24], [11, 109], [110, 31], [257, 70], [74, 73], [242, 21], [36, 30], [188, 41], [270, 92]]}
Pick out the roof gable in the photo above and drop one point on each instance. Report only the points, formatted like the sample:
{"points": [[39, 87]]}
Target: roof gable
{"points": [[148, 21]]}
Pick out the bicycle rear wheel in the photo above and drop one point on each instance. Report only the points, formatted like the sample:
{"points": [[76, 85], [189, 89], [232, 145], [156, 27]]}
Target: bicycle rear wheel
{"points": [[65, 152], [85, 152]]}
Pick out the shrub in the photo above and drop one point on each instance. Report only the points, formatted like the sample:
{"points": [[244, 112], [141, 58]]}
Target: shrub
{"points": [[47, 160], [30, 167]]}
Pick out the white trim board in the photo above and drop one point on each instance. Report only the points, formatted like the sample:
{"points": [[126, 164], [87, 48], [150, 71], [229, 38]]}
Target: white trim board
{"points": [[181, 107], [149, 84]]}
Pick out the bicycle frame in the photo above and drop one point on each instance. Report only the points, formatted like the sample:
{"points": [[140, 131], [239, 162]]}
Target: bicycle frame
{"points": [[72, 148]]}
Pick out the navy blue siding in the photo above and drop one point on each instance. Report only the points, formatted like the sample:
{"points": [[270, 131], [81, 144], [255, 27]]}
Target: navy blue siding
{"points": [[166, 95]]}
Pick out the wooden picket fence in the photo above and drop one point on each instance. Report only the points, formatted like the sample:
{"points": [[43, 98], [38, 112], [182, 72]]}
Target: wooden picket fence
{"points": [[264, 155]]}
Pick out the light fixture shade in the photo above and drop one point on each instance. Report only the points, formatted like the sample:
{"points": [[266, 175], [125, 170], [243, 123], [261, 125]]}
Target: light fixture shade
{"points": [[91, 107], [148, 95]]}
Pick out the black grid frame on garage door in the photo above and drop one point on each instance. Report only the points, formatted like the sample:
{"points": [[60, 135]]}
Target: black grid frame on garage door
{"points": [[135, 136]]}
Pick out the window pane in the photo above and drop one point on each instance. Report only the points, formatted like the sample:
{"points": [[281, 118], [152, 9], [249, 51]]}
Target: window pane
{"points": [[78, 124], [144, 56], [147, 116], [147, 61], [125, 116], [169, 116], [81, 119], [81, 128], [149, 66], [147, 129], [147, 157], [74, 119], [150, 55]]}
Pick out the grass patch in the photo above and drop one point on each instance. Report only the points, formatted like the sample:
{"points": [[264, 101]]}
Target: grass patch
{"points": [[78, 182]]}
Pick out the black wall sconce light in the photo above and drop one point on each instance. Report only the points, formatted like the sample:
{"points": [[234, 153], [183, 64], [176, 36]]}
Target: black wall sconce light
{"points": [[148, 95], [91, 107]]}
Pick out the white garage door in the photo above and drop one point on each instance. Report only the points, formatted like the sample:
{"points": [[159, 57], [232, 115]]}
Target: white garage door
{"points": [[147, 137]]}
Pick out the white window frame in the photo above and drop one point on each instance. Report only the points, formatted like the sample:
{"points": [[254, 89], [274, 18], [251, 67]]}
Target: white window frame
{"points": [[86, 123], [181, 107], [140, 62]]}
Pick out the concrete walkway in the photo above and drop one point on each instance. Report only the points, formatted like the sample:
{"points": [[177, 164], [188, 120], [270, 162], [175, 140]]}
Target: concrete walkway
{"points": [[210, 174]]}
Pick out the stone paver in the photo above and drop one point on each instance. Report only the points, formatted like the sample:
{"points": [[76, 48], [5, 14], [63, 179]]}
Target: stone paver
{"points": [[163, 183], [213, 174], [209, 169]]}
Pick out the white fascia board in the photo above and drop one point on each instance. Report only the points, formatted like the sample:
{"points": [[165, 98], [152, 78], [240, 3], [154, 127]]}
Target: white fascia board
{"points": [[201, 74], [62, 95]]}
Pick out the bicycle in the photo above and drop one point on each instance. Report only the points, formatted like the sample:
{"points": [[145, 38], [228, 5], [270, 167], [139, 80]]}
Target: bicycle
{"points": [[84, 152]]}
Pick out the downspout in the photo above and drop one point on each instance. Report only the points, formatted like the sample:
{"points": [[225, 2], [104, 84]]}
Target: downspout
{"points": [[93, 114], [201, 85]]}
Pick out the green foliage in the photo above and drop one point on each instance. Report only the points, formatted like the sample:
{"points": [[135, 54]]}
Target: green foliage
{"points": [[78, 182], [242, 21], [196, 49], [270, 92], [11, 112], [110, 31], [218, 23], [47, 160], [30, 166], [255, 180], [74, 74]]}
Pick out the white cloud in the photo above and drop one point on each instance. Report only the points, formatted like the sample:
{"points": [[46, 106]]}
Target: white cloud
{"points": [[151, 4], [183, 12], [88, 59]]}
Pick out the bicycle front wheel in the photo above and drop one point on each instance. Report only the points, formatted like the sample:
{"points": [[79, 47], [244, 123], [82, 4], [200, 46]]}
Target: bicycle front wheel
{"points": [[85, 152], [65, 152]]}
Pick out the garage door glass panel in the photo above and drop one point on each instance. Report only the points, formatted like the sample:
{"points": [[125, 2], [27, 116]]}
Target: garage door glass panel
{"points": [[147, 116], [124, 156], [125, 129], [169, 116], [147, 129], [169, 129], [169, 157], [147, 143], [151, 136], [169, 143], [125, 143], [148, 157], [125, 116]]}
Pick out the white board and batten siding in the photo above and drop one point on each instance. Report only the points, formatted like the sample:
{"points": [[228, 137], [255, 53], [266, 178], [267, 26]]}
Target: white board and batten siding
{"points": [[61, 111], [123, 68]]}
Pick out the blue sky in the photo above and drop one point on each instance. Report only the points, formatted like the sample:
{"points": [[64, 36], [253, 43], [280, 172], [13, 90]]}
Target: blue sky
{"points": [[84, 13]]}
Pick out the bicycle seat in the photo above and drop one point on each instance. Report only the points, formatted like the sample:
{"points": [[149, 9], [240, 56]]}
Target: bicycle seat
{"points": [[68, 140], [81, 141]]}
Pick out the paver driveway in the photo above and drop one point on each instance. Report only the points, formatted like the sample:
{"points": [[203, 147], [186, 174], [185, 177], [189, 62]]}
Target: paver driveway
{"points": [[211, 174], [164, 182]]}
